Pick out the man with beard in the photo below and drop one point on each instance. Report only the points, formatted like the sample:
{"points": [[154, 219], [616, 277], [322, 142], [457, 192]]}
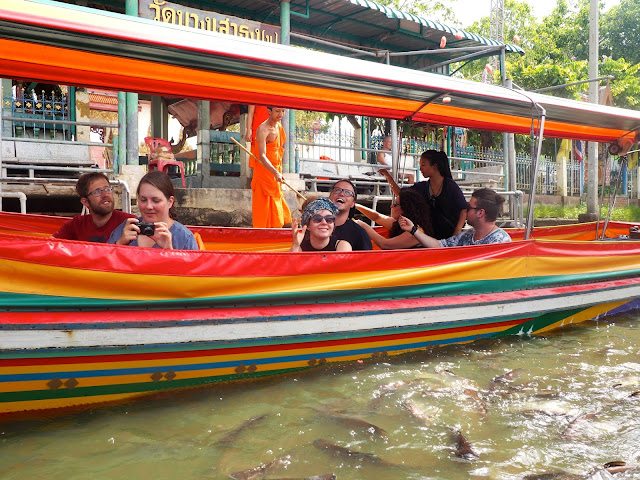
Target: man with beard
{"points": [[482, 211], [97, 195], [344, 195]]}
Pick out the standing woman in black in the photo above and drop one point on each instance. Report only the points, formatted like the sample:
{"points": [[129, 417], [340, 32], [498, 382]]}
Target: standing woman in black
{"points": [[442, 193]]}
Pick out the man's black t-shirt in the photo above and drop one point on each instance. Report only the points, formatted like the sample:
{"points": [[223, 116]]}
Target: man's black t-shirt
{"points": [[354, 234]]}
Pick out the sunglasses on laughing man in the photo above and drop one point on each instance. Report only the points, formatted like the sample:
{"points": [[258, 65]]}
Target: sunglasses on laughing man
{"points": [[344, 191]]}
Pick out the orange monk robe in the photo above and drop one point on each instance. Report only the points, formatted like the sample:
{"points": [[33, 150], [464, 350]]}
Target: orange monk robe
{"points": [[268, 206], [260, 115]]}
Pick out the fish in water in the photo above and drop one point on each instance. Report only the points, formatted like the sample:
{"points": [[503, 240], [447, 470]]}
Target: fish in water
{"points": [[420, 413], [260, 471], [618, 467], [231, 436], [601, 472], [356, 423], [504, 378], [466, 381], [324, 476], [559, 475], [463, 447], [482, 407], [337, 450], [577, 423]]}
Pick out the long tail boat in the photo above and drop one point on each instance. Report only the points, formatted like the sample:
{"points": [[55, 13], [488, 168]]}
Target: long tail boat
{"points": [[85, 323]]}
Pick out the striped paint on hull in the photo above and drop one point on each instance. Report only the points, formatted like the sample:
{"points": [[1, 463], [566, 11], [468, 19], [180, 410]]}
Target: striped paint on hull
{"points": [[50, 378], [126, 322]]}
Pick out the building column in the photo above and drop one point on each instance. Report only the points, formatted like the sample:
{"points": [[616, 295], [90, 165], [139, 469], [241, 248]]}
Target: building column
{"points": [[203, 152], [131, 8], [289, 120], [159, 118]]}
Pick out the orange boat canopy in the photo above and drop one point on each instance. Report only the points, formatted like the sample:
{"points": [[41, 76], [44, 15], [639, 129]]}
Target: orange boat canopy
{"points": [[60, 43]]}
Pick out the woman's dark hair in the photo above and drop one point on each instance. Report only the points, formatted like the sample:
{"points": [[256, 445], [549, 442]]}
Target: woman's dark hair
{"points": [[440, 160], [162, 182], [415, 208]]}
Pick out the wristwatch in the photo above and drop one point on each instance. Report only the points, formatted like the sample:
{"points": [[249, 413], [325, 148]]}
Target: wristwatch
{"points": [[414, 230]]}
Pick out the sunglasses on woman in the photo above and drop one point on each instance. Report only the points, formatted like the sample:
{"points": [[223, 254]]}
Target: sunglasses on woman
{"points": [[317, 218], [395, 203]]}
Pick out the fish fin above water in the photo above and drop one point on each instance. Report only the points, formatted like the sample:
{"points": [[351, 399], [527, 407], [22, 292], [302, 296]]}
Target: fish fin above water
{"points": [[463, 447]]}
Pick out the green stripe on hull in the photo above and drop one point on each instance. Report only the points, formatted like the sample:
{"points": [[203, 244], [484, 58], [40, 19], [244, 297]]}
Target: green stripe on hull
{"points": [[540, 322], [27, 302]]}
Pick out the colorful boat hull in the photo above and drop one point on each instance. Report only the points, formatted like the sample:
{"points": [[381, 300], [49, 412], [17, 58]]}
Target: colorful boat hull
{"points": [[127, 322]]}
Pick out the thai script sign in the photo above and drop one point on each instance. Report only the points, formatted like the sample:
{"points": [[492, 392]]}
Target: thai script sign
{"points": [[163, 11]]}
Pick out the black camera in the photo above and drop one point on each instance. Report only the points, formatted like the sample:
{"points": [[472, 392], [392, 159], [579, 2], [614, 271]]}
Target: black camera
{"points": [[146, 228]]}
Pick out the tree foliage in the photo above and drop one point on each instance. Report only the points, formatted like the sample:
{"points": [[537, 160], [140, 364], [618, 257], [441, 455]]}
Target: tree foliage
{"points": [[435, 10], [621, 30], [557, 48]]}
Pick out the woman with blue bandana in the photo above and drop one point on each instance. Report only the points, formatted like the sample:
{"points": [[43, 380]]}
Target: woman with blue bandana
{"points": [[316, 234]]}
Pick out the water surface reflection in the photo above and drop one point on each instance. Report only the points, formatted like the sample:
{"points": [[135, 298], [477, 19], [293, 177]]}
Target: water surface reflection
{"points": [[505, 409]]}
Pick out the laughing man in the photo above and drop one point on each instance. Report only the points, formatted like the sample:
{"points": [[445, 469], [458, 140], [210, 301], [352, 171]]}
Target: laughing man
{"points": [[344, 195]]}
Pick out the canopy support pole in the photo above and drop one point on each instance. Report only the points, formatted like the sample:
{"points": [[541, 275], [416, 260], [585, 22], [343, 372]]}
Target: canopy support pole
{"points": [[132, 105], [394, 139], [1, 134], [534, 173], [612, 202]]}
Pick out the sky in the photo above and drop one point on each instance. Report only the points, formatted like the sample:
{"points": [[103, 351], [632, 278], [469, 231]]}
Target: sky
{"points": [[468, 11]]}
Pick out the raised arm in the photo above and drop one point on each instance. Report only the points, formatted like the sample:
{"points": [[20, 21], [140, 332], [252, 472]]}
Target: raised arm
{"points": [[424, 239], [395, 188], [379, 218], [404, 240], [297, 235]]}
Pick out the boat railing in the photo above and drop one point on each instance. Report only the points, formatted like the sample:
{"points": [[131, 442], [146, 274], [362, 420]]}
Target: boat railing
{"points": [[321, 174], [20, 196], [516, 216], [31, 169], [125, 191], [53, 140], [318, 160]]}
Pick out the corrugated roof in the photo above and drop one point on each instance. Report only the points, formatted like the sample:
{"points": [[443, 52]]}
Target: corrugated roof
{"points": [[358, 23], [392, 13], [369, 24]]}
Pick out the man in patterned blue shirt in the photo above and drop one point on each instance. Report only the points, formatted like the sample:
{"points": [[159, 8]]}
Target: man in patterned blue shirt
{"points": [[482, 212]]}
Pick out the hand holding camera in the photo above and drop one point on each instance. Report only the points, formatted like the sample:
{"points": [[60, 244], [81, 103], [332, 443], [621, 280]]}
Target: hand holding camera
{"points": [[157, 233], [147, 228]]}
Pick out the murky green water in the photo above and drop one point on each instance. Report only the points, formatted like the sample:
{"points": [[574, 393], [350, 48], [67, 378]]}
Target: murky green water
{"points": [[565, 403]]}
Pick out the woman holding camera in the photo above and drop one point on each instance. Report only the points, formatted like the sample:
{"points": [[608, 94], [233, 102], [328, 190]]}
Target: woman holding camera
{"points": [[157, 227]]}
